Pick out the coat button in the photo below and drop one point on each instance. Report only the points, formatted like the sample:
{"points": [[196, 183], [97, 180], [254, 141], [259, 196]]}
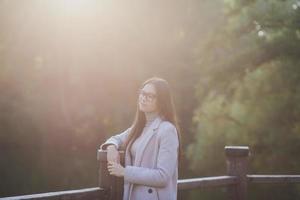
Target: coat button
{"points": [[150, 190]]}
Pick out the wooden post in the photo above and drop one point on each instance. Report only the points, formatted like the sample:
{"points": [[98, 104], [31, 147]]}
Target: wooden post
{"points": [[112, 184], [237, 165]]}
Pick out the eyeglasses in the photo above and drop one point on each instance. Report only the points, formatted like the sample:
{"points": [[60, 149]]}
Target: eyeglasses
{"points": [[149, 96]]}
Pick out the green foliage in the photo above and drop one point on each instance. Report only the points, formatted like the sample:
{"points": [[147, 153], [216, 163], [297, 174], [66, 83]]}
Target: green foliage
{"points": [[251, 93]]}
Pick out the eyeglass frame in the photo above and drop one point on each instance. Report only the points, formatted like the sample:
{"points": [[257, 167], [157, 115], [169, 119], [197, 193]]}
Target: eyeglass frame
{"points": [[150, 97]]}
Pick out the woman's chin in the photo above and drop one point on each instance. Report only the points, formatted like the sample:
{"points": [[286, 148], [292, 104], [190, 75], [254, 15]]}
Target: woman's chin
{"points": [[142, 108]]}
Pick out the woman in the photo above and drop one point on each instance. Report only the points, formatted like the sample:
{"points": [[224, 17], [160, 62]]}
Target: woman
{"points": [[152, 146]]}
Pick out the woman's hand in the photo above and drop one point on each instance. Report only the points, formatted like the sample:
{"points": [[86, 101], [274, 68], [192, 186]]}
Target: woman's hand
{"points": [[113, 154], [115, 169]]}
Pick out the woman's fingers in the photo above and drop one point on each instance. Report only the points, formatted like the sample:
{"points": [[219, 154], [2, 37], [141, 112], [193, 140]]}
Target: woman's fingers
{"points": [[111, 162], [115, 168], [111, 166]]}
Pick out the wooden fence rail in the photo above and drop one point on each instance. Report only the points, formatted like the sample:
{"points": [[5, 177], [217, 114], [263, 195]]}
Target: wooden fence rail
{"points": [[111, 187], [89, 193], [213, 181]]}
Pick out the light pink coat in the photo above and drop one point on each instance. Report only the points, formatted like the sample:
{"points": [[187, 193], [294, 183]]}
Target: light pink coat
{"points": [[154, 174]]}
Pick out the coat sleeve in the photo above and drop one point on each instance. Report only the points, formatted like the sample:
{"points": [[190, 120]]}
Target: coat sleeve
{"points": [[118, 140], [166, 162]]}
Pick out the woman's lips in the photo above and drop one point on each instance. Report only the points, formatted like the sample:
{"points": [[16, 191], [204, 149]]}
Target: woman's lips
{"points": [[143, 104]]}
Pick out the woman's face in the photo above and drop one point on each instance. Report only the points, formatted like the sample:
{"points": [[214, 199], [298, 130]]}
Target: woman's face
{"points": [[148, 99]]}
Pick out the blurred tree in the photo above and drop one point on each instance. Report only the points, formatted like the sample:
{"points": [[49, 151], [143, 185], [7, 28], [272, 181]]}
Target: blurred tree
{"points": [[249, 92]]}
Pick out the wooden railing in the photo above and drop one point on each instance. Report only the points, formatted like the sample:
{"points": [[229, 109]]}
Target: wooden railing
{"points": [[111, 187]]}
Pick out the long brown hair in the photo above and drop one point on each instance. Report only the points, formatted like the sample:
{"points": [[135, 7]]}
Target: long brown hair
{"points": [[166, 109]]}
